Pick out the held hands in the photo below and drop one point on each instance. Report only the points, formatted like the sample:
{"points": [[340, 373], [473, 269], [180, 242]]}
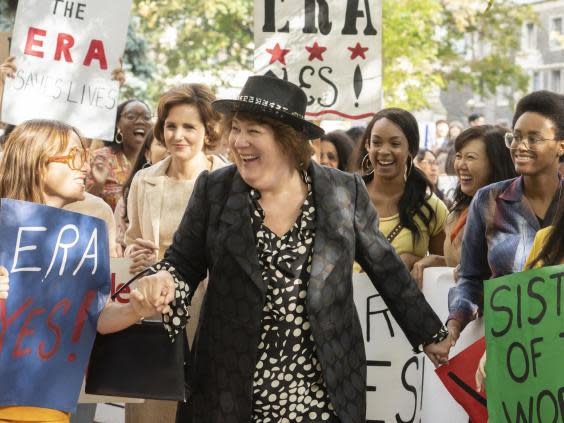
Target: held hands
{"points": [[143, 254], [4, 283], [154, 293], [438, 352]]}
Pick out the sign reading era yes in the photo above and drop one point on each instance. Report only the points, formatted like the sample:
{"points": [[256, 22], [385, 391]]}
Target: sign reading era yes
{"points": [[65, 53], [524, 315], [329, 48], [59, 283]]}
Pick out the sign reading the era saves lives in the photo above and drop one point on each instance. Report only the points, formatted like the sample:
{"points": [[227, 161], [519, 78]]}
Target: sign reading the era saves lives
{"points": [[59, 282], [65, 53]]}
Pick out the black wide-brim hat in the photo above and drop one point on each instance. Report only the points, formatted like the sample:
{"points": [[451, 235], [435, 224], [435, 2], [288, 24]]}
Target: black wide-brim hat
{"points": [[273, 97]]}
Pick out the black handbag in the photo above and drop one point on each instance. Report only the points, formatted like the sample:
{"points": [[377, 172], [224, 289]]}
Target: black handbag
{"points": [[139, 362]]}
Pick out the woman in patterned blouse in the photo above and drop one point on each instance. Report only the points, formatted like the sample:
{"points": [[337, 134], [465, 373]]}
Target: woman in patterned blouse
{"points": [[504, 217], [279, 339]]}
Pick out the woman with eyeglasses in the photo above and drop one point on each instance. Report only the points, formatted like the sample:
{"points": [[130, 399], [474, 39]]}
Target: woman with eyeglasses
{"points": [[504, 217], [111, 165], [46, 162]]}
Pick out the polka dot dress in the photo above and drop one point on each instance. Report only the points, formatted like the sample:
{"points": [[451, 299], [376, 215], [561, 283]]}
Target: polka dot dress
{"points": [[288, 382]]}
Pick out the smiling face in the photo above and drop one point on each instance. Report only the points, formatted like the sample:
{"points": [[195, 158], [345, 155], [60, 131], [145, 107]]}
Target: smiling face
{"points": [[388, 150], [328, 155], [544, 157], [259, 157], [134, 123], [61, 184], [472, 166], [184, 132]]}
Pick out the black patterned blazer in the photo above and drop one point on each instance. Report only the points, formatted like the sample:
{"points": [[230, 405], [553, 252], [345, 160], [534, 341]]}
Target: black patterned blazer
{"points": [[216, 236]]}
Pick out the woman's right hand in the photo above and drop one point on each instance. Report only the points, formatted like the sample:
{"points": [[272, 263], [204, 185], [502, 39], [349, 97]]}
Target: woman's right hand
{"points": [[143, 253], [8, 69], [4, 283]]}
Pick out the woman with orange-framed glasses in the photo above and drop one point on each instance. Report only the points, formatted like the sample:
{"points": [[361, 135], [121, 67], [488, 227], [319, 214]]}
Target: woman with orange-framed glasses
{"points": [[46, 162]]}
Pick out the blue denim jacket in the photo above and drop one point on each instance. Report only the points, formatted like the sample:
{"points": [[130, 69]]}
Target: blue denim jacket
{"points": [[498, 237]]}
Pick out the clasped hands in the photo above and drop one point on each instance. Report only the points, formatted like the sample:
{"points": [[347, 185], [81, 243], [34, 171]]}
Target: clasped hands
{"points": [[153, 294], [438, 352]]}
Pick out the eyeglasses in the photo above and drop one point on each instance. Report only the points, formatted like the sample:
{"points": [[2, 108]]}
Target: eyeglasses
{"points": [[75, 159], [531, 141], [430, 162], [132, 117]]}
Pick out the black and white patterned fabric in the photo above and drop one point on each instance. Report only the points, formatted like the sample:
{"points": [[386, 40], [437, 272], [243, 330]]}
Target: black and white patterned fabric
{"points": [[288, 381]]}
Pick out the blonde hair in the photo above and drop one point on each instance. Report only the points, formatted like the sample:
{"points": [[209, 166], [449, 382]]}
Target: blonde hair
{"points": [[25, 156]]}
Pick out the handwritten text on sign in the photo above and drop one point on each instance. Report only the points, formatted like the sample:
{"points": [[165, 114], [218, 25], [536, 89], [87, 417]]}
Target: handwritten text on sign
{"points": [[59, 283], [65, 52], [525, 345], [330, 48]]}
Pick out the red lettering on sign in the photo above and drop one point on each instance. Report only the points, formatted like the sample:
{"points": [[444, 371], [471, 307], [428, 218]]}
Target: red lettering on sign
{"points": [[64, 44], [32, 41], [26, 331], [96, 51], [6, 322], [46, 355], [82, 314]]}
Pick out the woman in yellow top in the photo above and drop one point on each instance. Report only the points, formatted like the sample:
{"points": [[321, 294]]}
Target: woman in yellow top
{"points": [[411, 217], [46, 162]]}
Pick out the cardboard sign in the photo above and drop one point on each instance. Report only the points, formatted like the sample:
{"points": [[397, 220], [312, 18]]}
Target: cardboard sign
{"points": [[330, 48], [394, 372], [5, 38], [525, 344], [59, 283], [65, 53], [459, 378], [439, 406]]}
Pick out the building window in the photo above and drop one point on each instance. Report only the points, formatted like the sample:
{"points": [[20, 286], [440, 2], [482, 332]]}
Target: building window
{"points": [[556, 80], [537, 83], [530, 36], [556, 33]]}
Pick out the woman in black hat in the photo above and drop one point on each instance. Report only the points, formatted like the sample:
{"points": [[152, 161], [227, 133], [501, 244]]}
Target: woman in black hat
{"points": [[279, 338]]}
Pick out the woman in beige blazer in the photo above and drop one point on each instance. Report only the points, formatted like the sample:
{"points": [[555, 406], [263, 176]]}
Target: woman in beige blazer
{"points": [[159, 195]]}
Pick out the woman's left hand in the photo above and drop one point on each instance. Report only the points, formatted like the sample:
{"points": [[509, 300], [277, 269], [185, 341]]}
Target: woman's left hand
{"points": [[140, 304], [118, 74], [481, 374], [438, 352]]}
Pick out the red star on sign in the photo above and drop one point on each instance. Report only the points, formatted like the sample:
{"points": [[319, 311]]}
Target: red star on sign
{"points": [[277, 54], [315, 52], [358, 51]]}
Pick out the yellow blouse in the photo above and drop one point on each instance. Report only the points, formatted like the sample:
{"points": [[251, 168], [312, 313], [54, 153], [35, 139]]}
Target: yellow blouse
{"points": [[32, 414], [403, 242]]}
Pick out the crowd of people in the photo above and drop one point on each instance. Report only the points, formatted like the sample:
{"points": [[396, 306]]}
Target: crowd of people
{"points": [[265, 216]]}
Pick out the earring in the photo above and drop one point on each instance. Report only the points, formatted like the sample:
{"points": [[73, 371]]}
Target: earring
{"points": [[119, 137], [408, 167], [366, 166]]}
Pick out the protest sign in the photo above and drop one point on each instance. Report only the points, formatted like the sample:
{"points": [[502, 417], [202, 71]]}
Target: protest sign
{"points": [[65, 52], [394, 372], [4, 45], [525, 345], [439, 406], [330, 48], [59, 283]]}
